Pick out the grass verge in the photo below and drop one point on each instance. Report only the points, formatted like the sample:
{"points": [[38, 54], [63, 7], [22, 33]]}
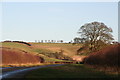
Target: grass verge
{"points": [[68, 71]]}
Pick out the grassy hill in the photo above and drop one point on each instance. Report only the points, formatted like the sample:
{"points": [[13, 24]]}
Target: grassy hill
{"points": [[18, 57], [48, 51], [69, 49]]}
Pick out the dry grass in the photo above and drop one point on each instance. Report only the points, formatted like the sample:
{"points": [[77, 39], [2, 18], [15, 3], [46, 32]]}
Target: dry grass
{"points": [[68, 49]]}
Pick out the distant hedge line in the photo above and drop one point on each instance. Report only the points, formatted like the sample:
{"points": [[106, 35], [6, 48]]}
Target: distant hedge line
{"points": [[20, 42]]}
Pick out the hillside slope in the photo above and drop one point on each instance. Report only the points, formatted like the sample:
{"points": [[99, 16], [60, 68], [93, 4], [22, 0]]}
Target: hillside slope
{"points": [[17, 57], [50, 52], [68, 49], [107, 57]]}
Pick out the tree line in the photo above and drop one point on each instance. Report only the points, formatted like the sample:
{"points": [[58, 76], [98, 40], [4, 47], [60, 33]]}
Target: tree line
{"points": [[49, 41]]}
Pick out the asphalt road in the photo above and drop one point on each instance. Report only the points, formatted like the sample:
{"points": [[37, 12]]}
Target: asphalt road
{"points": [[19, 72]]}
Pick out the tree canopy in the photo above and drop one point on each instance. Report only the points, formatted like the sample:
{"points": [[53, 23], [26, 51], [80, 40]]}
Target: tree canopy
{"points": [[95, 33]]}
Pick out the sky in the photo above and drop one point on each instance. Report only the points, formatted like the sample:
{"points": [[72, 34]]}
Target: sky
{"points": [[30, 21], [59, 0]]}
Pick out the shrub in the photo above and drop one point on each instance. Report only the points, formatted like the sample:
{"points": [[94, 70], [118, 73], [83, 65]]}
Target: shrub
{"points": [[12, 56], [108, 57]]}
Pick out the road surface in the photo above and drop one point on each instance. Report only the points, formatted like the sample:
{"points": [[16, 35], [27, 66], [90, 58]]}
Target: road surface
{"points": [[19, 72]]}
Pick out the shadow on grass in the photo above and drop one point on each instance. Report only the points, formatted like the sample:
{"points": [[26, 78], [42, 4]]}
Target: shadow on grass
{"points": [[71, 71]]}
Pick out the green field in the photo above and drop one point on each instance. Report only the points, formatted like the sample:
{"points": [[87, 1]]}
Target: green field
{"points": [[68, 71]]}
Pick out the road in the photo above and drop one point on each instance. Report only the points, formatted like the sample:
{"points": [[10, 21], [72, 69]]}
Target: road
{"points": [[19, 72]]}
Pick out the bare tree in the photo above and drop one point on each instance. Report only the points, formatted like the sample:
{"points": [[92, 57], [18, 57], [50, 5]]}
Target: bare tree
{"points": [[48, 41], [52, 41], [61, 41], [41, 41], [95, 33], [77, 40], [35, 41], [45, 41]]}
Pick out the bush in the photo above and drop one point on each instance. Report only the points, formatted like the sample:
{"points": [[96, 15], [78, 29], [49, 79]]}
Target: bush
{"points": [[12, 56], [108, 57]]}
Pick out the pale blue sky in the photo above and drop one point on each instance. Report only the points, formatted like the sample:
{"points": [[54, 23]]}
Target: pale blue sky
{"points": [[54, 20]]}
